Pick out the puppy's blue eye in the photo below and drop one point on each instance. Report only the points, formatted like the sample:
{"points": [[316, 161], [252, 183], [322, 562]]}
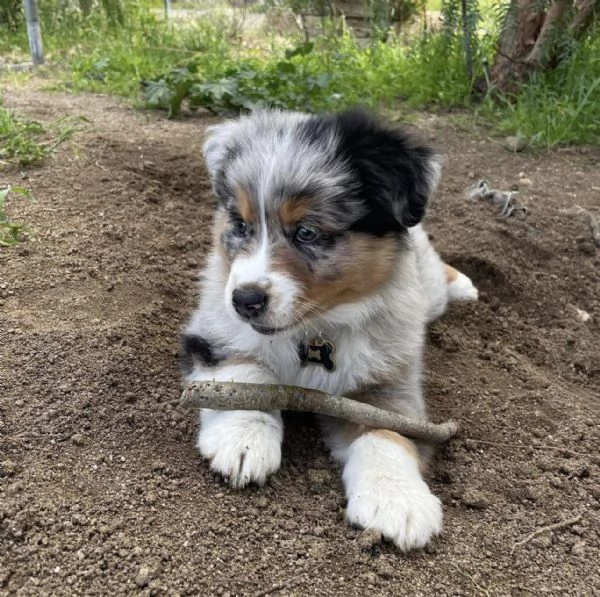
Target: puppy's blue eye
{"points": [[304, 234]]}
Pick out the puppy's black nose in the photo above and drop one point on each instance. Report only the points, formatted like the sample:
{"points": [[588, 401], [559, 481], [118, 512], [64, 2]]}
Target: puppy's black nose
{"points": [[249, 302]]}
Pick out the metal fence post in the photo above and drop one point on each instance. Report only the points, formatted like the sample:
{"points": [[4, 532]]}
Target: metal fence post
{"points": [[34, 32]]}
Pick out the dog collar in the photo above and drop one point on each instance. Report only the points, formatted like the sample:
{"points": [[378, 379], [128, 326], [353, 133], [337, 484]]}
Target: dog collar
{"points": [[317, 351]]}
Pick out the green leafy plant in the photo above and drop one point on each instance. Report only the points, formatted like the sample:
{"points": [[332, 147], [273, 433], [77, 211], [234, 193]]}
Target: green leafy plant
{"points": [[27, 142], [20, 140], [11, 232]]}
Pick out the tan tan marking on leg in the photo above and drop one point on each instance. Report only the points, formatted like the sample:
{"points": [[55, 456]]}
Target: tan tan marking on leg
{"points": [[350, 432], [402, 441], [451, 273]]}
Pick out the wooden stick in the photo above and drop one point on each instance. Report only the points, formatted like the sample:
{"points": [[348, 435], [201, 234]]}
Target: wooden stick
{"points": [[249, 396]]}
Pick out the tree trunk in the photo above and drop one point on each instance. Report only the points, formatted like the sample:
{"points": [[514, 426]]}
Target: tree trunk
{"points": [[530, 38]]}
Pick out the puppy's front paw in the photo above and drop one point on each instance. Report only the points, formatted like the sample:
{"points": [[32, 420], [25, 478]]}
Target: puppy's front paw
{"points": [[386, 492], [243, 446]]}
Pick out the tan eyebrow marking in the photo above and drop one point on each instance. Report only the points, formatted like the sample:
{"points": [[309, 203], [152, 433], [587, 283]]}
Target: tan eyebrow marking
{"points": [[294, 209], [244, 204]]}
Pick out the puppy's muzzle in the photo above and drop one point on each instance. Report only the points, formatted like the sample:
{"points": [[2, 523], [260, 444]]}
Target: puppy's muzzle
{"points": [[249, 302]]}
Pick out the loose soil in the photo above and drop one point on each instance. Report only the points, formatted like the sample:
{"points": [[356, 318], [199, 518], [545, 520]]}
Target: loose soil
{"points": [[101, 489]]}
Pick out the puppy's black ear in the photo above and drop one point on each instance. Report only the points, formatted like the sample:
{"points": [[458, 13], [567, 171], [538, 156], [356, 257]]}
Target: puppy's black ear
{"points": [[397, 173]]}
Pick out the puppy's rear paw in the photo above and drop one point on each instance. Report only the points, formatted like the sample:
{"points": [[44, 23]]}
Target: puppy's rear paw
{"points": [[462, 289], [242, 446], [386, 492]]}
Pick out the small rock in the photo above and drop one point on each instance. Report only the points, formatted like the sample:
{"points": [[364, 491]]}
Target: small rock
{"points": [[515, 143], [7, 468], [578, 548], [525, 182], [143, 577], [585, 246], [318, 531], [77, 439], [368, 539], [370, 578], [582, 315], [137, 551], [262, 502], [146, 574], [318, 480], [471, 175], [474, 499], [384, 569], [150, 498]]}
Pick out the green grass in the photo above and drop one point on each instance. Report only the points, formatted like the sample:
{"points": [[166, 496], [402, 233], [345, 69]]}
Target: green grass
{"points": [[27, 142], [558, 107], [11, 232], [20, 140], [205, 63]]}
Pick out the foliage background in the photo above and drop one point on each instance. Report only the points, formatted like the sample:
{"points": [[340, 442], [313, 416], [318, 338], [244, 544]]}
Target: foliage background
{"points": [[213, 59]]}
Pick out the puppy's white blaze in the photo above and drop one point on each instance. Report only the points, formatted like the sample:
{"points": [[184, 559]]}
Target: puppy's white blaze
{"points": [[251, 269], [386, 492]]}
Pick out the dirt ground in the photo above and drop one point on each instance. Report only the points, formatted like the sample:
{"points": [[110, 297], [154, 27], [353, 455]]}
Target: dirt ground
{"points": [[101, 489]]}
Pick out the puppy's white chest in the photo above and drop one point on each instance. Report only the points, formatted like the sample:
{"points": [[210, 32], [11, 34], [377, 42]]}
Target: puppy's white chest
{"points": [[332, 363]]}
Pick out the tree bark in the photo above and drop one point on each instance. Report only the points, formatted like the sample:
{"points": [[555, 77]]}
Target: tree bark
{"points": [[530, 38]]}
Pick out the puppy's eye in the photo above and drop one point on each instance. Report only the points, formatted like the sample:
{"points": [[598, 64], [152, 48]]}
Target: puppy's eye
{"points": [[240, 226], [305, 234]]}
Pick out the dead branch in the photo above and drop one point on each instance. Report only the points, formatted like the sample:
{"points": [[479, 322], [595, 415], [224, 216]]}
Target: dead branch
{"points": [[577, 210], [563, 524], [248, 396], [505, 200]]}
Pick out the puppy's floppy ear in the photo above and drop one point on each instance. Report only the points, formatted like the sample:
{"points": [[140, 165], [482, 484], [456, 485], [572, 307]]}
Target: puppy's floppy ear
{"points": [[396, 172], [217, 146]]}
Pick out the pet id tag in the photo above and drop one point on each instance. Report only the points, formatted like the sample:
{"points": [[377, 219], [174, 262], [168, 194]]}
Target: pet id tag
{"points": [[318, 351]]}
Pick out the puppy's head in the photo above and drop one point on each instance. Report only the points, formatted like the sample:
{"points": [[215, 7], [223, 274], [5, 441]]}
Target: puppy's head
{"points": [[312, 210]]}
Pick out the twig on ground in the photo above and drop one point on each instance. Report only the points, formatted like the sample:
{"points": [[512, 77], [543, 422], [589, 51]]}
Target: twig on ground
{"points": [[505, 200], [470, 440], [470, 577], [592, 219], [563, 524], [247, 396]]}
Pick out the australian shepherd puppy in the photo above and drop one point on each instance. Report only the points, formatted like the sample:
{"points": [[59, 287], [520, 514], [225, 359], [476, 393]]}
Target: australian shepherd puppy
{"points": [[322, 277]]}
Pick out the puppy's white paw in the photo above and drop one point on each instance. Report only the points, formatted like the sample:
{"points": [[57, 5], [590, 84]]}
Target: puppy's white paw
{"points": [[243, 446], [386, 492], [462, 289]]}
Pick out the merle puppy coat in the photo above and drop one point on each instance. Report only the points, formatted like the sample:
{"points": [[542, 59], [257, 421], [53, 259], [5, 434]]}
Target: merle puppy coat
{"points": [[321, 276]]}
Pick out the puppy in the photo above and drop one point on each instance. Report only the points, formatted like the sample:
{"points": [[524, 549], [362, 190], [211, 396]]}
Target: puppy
{"points": [[322, 277]]}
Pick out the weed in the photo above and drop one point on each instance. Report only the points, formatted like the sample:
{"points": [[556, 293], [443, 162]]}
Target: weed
{"points": [[20, 140], [557, 107], [11, 232], [204, 62], [27, 142]]}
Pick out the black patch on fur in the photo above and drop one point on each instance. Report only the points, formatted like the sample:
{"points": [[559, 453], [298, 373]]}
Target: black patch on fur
{"points": [[392, 169], [195, 349]]}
